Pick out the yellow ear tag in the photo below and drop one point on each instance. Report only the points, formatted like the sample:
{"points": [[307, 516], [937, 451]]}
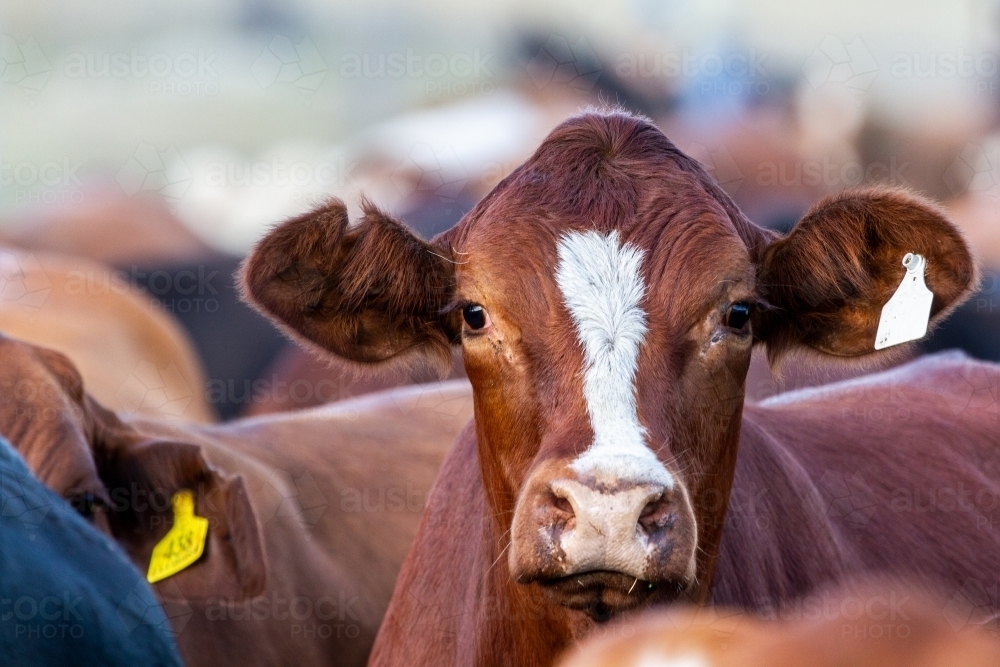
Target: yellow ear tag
{"points": [[184, 542]]}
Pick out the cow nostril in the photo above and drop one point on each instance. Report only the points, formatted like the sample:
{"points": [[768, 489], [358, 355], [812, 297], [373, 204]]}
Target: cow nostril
{"points": [[657, 516], [650, 508], [562, 504]]}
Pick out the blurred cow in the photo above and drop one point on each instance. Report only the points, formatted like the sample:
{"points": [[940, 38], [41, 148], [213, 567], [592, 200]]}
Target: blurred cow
{"points": [[874, 626], [298, 379], [133, 356], [310, 514], [106, 226]]}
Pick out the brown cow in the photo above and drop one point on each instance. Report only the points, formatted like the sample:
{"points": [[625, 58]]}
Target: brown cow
{"points": [[134, 357], [305, 539], [307, 381], [876, 625], [606, 296]]}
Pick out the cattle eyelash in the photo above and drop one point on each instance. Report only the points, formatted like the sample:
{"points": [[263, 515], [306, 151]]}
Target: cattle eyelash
{"points": [[455, 304], [760, 304]]}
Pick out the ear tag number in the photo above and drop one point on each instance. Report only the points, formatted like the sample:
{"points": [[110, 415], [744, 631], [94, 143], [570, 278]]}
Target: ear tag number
{"points": [[905, 315], [184, 542]]}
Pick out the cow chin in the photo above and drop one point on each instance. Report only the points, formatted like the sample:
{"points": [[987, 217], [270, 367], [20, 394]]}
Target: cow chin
{"points": [[602, 594]]}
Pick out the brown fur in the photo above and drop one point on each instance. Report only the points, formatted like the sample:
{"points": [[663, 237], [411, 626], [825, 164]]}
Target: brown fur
{"points": [[457, 601], [833, 283], [326, 518], [372, 292], [115, 335], [307, 381], [873, 625]]}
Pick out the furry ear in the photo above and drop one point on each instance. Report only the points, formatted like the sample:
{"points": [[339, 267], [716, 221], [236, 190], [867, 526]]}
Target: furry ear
{"points": [[370, 293], [142, 476], [830, 277]]}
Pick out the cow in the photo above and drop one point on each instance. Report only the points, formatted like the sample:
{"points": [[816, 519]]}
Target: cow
{"points": [[310, 513], [877, 623], [308, 381], [606, 296], [134, 357]]}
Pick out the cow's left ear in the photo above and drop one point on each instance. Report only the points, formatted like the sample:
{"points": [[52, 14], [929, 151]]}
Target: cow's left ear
{"points": [[143, 475], [828, 280]]}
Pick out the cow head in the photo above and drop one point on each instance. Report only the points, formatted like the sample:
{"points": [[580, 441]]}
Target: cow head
{"points": [[122, 481], [606, 296]]}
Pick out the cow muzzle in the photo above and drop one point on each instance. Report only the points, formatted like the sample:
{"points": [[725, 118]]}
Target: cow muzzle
{"points": [[602, 546]]}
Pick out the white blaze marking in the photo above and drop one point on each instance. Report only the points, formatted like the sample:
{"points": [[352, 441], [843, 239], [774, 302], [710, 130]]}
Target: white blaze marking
{"points": [[602, 287]]}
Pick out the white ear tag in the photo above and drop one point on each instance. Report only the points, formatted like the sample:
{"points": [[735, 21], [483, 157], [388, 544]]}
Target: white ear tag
{"points": [[905, 315]]}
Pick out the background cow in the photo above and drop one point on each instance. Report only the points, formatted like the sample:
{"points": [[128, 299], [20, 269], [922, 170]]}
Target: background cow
{"points": [[133, 356], [888, 625], [310, 514], [606, 296]]}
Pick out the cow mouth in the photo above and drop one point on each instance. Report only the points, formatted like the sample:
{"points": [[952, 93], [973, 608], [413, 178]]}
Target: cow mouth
{"points": [[602, 594]]}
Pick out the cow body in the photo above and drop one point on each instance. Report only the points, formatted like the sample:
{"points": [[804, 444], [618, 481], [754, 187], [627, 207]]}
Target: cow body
{"points": [[607, 296], [310, 514], [134, 357], [894, 473]]}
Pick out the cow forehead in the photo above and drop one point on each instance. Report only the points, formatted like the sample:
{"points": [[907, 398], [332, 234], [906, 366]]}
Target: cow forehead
{"points": [[514, 266]]}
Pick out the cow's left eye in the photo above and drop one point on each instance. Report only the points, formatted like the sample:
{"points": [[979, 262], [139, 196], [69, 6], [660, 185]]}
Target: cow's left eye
{"points": [[475, 316], [738, 316]]}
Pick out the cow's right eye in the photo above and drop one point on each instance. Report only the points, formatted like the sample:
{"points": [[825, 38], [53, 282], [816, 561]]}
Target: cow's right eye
{"points": [[475, 316]]}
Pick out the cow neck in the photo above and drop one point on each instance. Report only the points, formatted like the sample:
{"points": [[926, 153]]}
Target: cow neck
{"points": [[712, 505], [518, 625]]}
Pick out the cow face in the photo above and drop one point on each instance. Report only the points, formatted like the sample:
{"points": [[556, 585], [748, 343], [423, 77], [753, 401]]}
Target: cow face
{"points": [[606, 296], [122, 481]]}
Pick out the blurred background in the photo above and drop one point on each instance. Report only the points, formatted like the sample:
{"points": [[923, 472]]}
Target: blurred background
{"points": [[162, 139]]}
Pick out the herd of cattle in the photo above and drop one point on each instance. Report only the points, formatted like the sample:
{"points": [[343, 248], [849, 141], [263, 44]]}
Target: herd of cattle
{"points": [[597, 491]]}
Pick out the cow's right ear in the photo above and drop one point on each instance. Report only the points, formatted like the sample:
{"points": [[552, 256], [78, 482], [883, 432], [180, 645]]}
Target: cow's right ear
{"points": [[370, 293]]}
